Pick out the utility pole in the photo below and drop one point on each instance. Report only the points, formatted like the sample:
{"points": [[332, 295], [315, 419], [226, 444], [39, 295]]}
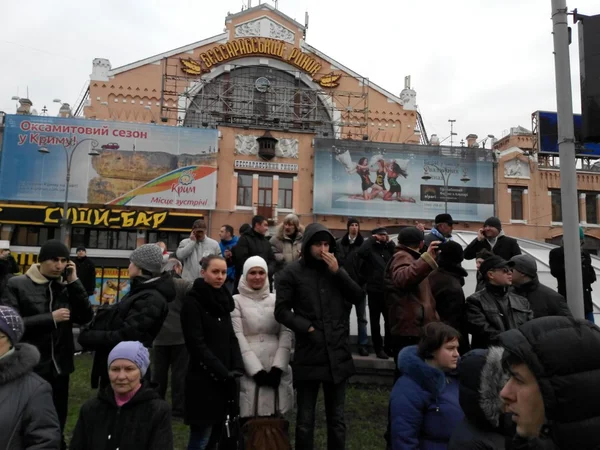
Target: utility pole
{"points": [[566, 149]]}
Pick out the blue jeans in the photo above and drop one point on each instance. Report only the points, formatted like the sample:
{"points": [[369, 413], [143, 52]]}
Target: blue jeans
{"points": [[199, 437], [361, 316], [590, 316]]}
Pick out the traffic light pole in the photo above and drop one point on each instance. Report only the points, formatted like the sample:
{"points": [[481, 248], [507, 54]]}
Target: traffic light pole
{"points": [[566, 149]]}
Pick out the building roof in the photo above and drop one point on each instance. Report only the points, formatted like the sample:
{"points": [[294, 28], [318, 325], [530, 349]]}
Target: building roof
{"points": [[265, 7]]}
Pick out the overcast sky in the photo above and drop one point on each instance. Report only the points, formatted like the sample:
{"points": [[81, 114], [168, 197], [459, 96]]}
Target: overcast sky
{"points": [[488, 64]]}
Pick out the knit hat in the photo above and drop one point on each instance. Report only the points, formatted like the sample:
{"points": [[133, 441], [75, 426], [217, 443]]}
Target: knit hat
{"points": [[133, 351], [493, 222], [148, 257], [81, 249], [450, 253], [11, 324], [410, 236], [352, 220], [199, 224], [525, 264], [53, 249], [255, 261]]}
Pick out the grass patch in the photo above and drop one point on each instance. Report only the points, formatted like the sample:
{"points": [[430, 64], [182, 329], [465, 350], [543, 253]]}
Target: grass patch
{"points": [[366, 412]]}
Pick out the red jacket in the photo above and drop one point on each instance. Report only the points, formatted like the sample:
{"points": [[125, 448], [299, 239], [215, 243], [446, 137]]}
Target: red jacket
{"points": [[408, 299]]}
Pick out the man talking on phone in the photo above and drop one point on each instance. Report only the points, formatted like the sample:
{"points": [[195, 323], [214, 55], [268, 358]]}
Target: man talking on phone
{"points": [[314, 299], [50, 298], [492, 238]]}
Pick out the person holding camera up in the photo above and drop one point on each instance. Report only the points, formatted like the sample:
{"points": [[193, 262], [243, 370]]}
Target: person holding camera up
{"points": [[50, 298]]}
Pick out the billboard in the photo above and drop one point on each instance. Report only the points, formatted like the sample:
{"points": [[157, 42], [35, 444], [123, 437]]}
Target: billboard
{"points": [[548, 135], [138, 165], [370, 179]]}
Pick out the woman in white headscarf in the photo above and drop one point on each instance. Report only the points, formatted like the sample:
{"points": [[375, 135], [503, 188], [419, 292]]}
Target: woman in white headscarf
{"points": [[265, 344]]}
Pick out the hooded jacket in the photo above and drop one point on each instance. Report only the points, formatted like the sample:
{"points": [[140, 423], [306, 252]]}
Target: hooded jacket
{"points": [[264, 344], [408, 298], [562, 353], [371, 259], [481, 378], [424, 408], [543, 300], [138, 316], [35, 297], [27, 411], [284, 249], [493, 310], [309, 294], [504, 246], [144, 422], [214, 352]]}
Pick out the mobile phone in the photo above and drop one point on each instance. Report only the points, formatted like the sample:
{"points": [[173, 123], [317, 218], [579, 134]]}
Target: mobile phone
{"points": [[68, 271]]}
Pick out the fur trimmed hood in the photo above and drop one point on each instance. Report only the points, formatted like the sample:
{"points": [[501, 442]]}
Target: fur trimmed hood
{"points": [[279, 234], [481, 378], [19, 363], [429, 378]]}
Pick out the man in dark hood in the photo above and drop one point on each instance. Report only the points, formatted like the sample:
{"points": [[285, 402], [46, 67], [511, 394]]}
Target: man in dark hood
{"points": [[553, 391], [314, 298]]}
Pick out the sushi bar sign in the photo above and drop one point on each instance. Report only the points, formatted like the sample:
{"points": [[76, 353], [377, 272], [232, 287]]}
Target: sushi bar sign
{"points": [[257, 46]]}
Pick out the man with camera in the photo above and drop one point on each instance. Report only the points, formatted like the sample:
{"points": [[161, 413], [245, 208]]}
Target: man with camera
{"points": [[193, 250], [50, 298]]}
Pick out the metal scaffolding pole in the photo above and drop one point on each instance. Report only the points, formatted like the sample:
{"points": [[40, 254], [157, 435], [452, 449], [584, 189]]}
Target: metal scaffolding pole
{"points": [[566, 148]]}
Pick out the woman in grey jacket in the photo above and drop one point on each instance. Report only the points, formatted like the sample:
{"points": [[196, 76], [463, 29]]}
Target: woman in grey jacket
{"points": [[27, 413]]}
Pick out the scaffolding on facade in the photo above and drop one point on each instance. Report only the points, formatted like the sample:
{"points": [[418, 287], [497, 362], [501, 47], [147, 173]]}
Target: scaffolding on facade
{"points": [[263, 97]]}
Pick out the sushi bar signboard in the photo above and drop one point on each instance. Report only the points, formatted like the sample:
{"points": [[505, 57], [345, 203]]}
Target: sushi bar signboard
{"points": [[135, 164]]}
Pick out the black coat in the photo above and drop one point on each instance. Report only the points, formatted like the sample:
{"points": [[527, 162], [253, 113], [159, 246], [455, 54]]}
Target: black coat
{"points": [[250, 244], [370, 261], [344, 249], [138, 316], [492, 311], [506, 247], [27, 415], [543, 300], [35, 297], [308, 294], [588, 275], [143, 423], [214, 352], [563, 355], [86, 271], [5, 274]]}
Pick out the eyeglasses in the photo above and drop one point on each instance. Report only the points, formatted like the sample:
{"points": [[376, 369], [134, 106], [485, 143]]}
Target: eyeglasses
{"points": [[503, 269]]}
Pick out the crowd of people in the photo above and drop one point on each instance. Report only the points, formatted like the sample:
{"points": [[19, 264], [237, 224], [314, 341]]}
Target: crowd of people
{"points": [[504, 367]]}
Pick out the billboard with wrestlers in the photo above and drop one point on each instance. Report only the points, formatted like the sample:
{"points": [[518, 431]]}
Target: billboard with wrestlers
{"points": [[135, 165], [374, 179]]}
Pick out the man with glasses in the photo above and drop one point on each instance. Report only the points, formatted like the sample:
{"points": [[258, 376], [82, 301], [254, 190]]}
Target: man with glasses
{"points": [[496, 308]]}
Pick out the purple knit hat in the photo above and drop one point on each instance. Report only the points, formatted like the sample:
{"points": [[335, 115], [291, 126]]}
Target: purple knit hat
{"points": [[11, 324], [133, 351]]}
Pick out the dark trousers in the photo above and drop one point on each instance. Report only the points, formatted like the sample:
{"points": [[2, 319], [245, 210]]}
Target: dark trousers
{"points": [[175, 357], [334, 396], [376, 310], [60, 397]]}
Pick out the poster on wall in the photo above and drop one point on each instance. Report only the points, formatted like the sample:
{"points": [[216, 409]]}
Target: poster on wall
{"points": [[371, 179], [136, 165], [111, 286]]}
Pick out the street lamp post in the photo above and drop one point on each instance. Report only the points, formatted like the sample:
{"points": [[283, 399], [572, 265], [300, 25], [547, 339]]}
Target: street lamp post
{"points": [[446, 179], [64, 221]]}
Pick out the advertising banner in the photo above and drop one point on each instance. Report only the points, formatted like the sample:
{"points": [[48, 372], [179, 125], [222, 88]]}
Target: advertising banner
{"points": [[138, 165], [372, 179], [111, 286], [548, 135]]}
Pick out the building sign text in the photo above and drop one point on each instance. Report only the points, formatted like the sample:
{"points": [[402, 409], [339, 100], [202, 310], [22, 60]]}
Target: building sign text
{"points": [[263, 165], [109, 218]]}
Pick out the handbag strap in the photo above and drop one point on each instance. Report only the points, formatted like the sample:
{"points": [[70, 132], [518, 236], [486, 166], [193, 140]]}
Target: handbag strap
{"points": [[275, 403]]}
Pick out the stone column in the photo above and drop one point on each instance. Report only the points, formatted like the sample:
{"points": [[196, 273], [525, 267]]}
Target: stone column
{"points": [[275, 196], [582, 217]]}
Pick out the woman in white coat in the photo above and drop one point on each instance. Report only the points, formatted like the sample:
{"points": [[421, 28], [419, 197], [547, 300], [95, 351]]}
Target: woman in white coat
{"points": [[265, 344]]}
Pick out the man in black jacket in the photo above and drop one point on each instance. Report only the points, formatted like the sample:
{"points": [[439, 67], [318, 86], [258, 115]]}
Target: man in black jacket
{"points": [[49, 305], [313, 299], [492, 238], [588, 275], [371, 261], [254, 242], [543, 300], [86, 270], [553, 390], [495, 309], [345, 249]]}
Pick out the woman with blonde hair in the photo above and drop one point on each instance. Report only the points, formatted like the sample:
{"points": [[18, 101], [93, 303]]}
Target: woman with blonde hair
{"points": [[287, 241], [265, 345]]}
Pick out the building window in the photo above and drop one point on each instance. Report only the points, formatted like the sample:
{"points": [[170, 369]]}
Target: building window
{"points": [[556, 206], [516, 202], [171, 239], [244, 189], [285, 192], [112, 239], [591, 208], [265, 196], [33, 236]]}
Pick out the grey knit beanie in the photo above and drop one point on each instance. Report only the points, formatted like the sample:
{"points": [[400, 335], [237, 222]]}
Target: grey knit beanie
{"points": [[11, 324], [148, 257]]}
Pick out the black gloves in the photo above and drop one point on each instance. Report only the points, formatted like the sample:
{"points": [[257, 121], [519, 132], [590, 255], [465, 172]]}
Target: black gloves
{"points": [[261, 378], [274, 377]]}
